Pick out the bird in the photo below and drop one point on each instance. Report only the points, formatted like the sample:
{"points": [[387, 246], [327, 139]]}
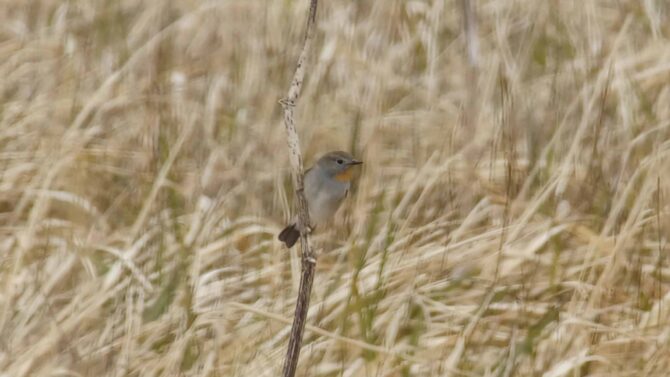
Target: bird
{"points": [[326, 184]]}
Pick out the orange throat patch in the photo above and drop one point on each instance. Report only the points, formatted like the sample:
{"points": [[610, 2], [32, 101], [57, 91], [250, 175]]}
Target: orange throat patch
{"points": [[345, 176]]}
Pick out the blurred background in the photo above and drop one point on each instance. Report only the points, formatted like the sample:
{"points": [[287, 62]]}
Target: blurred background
{"points": [[511, 217]]}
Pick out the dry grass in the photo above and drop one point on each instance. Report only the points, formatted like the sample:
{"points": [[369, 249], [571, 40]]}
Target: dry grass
{"points": [[144, 175]]}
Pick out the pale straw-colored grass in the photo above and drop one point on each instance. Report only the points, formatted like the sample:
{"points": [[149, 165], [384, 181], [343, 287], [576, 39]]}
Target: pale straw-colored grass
{"points": [[144, 177]]}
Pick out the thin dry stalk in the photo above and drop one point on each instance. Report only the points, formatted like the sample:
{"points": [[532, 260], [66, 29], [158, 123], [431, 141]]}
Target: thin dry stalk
{"points": [[308, 255]]}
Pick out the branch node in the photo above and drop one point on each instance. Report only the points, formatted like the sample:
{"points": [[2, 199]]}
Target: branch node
{"points": [[286, 103]]}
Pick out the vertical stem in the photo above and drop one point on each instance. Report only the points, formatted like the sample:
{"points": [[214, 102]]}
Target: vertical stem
{"points": [[308, 256], [299, 319]]}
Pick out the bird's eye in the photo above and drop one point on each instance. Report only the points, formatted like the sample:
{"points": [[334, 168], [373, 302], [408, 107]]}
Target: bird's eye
{"points": [[340, 162]]}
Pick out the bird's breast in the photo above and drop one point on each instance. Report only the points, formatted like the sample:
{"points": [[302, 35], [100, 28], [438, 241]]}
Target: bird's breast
{"points": [[324, 198]]}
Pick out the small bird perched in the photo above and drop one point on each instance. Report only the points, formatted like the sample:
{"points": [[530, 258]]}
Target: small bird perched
{"points": [[326, 185]]}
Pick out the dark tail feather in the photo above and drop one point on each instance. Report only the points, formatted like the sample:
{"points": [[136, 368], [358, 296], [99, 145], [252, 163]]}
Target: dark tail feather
{"points": [[289, 235]]}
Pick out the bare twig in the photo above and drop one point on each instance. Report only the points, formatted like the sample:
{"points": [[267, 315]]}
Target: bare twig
{"points": [[308, 256]]}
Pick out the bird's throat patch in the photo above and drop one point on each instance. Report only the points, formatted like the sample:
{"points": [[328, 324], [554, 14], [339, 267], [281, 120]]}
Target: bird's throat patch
{"points": [[345, 176]]}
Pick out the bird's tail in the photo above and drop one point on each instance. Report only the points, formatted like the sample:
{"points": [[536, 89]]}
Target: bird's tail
{"points": [[289, 235]]}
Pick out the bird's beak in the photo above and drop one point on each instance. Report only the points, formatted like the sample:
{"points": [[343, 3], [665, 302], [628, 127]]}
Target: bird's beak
{"points": [[355, 162]]}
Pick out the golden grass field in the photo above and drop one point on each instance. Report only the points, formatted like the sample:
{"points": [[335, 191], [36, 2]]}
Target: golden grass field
{"points": [[511, 218]]}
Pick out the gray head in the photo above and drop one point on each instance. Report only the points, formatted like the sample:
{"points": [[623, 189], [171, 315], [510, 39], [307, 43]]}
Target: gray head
{"points": [[338, 165]]}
